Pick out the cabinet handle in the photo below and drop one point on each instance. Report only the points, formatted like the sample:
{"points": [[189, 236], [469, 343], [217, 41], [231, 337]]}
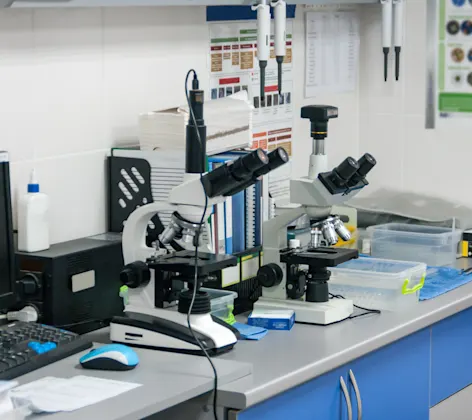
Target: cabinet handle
{"points": [[358, 394], [346, 397]]}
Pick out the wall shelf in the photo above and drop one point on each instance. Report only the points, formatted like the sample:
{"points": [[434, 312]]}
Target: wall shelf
{"points": [[117, 3]]}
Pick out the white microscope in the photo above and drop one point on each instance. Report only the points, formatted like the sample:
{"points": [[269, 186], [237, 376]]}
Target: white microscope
{"points": [[151, 275], [297, 278]]}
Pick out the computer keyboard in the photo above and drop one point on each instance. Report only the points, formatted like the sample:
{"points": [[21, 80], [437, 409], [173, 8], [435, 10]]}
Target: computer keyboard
{"points": [[25, 347]]}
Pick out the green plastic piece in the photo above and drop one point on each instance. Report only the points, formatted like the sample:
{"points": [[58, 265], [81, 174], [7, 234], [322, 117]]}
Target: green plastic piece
{"points": [[407, 291], [230, 319], [124, 294]]}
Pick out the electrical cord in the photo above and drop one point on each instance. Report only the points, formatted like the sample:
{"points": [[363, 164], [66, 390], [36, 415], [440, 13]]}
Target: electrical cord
{"points": [[197, 239], [367, 310], [103, 322]]}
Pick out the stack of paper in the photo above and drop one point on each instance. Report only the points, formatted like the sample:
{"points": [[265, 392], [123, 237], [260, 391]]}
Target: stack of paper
{"points": [[228, 121]]}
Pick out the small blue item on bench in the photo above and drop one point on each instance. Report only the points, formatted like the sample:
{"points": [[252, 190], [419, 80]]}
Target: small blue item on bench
{"points": [[272, 319], [249, 332], [440, 280]]}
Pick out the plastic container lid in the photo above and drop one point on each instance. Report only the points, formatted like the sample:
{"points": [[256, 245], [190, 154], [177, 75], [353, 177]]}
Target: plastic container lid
{"points": [[382, 273], [220, 297], [377, 265]]}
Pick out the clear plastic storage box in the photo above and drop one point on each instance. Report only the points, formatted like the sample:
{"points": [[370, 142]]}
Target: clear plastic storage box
{"points": [[428, 244], [379, 284], [222, 302]]}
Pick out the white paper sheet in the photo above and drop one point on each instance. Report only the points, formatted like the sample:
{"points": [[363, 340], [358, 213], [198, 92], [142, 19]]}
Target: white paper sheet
{"points": [[6, 404], [51, 394], [332, 52]]}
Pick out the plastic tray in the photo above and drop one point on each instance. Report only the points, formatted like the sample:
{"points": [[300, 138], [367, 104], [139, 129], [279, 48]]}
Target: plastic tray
{"points": [[431, 245], [222, 302], [379, 284]]}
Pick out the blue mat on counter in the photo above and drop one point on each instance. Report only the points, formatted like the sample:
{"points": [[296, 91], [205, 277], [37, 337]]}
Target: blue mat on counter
{"points": [[440, 280]]}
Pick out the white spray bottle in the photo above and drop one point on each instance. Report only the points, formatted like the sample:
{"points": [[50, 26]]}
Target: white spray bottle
{"points": [[33, 218]]}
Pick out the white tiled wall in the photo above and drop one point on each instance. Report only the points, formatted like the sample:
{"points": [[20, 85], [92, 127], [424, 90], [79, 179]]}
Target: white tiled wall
{"points": [[342, 133], [391, 124], [72, 83]]}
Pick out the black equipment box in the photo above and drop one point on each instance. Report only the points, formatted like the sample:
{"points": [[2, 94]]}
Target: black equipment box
{"points": [[76, 284]]}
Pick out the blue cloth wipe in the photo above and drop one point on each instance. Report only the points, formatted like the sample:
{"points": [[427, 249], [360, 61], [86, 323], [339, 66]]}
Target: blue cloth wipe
{"points": [[248, 332], [440, 280]]}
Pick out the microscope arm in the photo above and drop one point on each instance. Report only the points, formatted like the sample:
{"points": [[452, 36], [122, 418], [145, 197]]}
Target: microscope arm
{"points": [[134, 232], [275, 230]]}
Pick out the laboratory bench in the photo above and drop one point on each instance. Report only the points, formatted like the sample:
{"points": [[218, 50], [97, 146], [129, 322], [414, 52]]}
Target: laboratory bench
{"points": [[407, 365]]}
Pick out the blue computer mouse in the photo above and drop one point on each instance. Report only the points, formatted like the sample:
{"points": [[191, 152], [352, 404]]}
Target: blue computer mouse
{"points": [[110, 357]]}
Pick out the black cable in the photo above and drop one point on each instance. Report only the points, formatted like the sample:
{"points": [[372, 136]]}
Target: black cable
{"points": [[367, 310], [197, 239], [85, 322]]}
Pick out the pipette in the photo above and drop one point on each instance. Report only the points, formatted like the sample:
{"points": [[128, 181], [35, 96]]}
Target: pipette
{"points": [[386, 32], [280, 19], [398, 33], [263, 39]]}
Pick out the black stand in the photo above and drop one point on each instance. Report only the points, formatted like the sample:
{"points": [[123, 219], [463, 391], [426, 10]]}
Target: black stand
{"points": [[315, 283]]}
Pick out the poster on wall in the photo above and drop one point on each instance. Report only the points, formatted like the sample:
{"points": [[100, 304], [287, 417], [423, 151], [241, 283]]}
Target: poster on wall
{"points": [[332, 52], [234, 67], [454, 59]]}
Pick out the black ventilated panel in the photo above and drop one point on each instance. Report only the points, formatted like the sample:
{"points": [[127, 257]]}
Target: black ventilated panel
{"points": [[134, 175]]}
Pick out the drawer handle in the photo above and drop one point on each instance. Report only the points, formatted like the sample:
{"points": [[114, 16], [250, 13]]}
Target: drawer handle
{"points": [[407, 291], [346, 397], [358, 394]]}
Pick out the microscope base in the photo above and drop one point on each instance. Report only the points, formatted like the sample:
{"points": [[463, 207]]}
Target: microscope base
{"points": [[167, 330], [325, 313]]}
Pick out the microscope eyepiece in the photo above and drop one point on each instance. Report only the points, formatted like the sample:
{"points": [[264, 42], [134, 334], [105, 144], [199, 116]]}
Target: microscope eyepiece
{"points": [[244, 167], [366, 163], [277, 158], [240, 174], [345, 171]]}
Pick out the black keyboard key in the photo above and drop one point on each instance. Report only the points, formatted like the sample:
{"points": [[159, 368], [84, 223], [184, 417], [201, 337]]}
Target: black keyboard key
{"points": [[17, 358], [21, 357], [10, 361]]}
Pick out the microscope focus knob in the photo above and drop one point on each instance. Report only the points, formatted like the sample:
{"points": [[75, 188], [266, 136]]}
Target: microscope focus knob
{"points": [[135, 275], [270, 275]]}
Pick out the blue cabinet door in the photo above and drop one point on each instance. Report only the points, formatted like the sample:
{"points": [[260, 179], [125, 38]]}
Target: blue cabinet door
{"points": [[451, 366], [319, 399], [394, 381]]}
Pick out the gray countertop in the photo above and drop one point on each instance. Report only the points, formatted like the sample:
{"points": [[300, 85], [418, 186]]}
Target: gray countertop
{"points": [[280, 361], [167, 379], [285, 359]]}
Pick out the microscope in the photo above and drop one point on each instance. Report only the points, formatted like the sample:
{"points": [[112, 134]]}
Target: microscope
{"points": [[296, 277], [154, 277]]}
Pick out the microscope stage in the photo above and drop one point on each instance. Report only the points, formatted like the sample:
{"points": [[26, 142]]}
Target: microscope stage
{"points": [[184, 262], [322, 313], [319, 257]]}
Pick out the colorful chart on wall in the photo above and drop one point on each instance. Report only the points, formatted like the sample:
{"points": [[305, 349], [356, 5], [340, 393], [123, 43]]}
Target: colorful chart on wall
{"points": [[454, 59], [233, 67]]}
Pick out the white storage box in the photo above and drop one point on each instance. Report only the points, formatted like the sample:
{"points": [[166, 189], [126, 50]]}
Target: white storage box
{"points": [[428, 244], [222, 302], [379, 284]]}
